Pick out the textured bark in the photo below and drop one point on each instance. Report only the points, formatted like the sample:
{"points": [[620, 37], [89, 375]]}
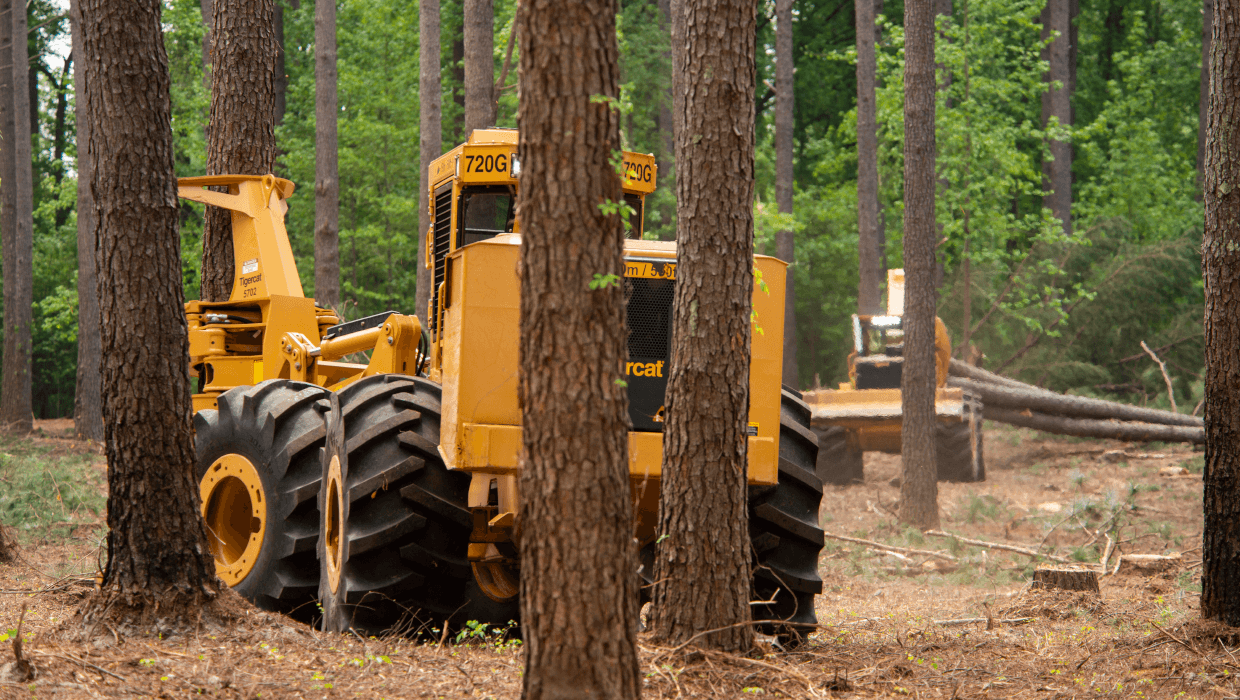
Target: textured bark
{"points": [[87, 407], [430, 106], [1220, 253], [326, 162], [784, 124], [206, 8], [479, 32], [241, 136], [578, 558], [1056, 102], [1036, 399], [281, 71], [1063, 578], [702, 569], [918, 485], [1207, 31], [868, 248], [157, 546], [17, 223]]}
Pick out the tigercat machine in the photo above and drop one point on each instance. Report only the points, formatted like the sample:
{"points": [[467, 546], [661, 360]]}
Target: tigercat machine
{"points": [[865, 413], [413, 509]]}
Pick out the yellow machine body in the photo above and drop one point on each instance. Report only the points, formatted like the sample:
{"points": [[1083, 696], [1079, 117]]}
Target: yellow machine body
{"points": [[872, 416], [268, 329]]}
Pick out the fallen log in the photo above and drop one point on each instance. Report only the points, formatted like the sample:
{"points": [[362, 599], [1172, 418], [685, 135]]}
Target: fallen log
{"points": [[889, 548], [968, 371], [1089, 427], [994, 545], [1035, 399]]}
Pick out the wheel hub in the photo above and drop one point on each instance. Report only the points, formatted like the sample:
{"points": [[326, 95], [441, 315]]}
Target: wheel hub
{"points": [[334, 523], [235, 512]]}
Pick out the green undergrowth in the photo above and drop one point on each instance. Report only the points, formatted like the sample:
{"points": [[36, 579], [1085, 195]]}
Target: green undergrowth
{"points": [[46, 494]]}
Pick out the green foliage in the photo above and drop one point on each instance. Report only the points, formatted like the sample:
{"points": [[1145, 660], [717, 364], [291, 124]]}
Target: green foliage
{"points": [[45, 495]]}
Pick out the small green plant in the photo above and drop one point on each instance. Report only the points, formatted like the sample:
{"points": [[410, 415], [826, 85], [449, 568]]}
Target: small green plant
{"points": [[602, 281], [1195, 465], [983, 507]]}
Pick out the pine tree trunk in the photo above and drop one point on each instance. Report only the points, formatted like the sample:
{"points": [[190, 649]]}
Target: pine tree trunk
{"points": [[157, 546], [703, 565], [205, 7], [241, 137], [326, 159], [578, 558], [1056, 102], [1220, 550], [784, 125], [1207, 30], [281, 70], [868, 249], [15, 400], [919, 484], [430, 106], [87, 409], [479, 64]]}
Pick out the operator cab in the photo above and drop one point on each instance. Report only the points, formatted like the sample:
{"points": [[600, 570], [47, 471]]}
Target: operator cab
{"points": [[473, 197]]}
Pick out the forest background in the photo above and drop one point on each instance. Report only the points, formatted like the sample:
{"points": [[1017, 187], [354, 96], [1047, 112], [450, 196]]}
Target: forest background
{"points": [[1062, 306]]}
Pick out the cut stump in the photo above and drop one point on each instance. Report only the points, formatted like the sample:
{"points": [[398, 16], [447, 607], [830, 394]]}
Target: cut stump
{"points": [[1065, 578]]}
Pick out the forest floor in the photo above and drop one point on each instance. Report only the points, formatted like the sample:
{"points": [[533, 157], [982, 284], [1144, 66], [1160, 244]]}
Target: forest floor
{"points": [[890, 626]]}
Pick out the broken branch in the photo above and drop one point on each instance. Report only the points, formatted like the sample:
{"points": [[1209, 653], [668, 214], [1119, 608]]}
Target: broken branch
{"points": [[889, 548], [992, 545]]}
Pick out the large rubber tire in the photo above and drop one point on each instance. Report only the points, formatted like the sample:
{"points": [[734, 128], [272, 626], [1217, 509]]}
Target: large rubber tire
{"points": [[784, 531], [838, 463], [278, 427], [409, 521], [958, 451]]}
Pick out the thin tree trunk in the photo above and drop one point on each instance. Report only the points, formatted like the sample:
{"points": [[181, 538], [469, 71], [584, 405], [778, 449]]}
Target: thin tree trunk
{"points": [[326, 162], [702, 568], [919, 484], [784, 125], [1207, 28], [1220, 546], [869, 263], [578, 557], [242, 136], [479, 32], [1056, 102], [158, 559], [281, 73], [87, 408], [430, 106], [16, 408]]}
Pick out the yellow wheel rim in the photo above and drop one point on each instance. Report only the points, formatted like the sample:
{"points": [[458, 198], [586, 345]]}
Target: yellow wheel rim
{"points": [[496, 579], [334, 523], [234, 508]]}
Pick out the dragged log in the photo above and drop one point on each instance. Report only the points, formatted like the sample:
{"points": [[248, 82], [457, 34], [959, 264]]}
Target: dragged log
{"points": [[1091, 427], [968, 371], [1035, 399]]}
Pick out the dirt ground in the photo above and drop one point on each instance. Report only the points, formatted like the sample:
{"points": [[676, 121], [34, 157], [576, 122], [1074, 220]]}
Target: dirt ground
{"points": [[964, 624]]}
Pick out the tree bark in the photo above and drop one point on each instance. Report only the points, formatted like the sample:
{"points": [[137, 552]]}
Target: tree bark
{"points": [[1065, 578], [206, 8], [326, 159], [703, 564], [241, 137], [479, 32], [157, 544], [918, 485], [1207, 29], [18, 224], [868, 249], [430, 107], [281, 71], [784, 125], [87, 407], [1220, 253], [578, 556], [1056, 102]]}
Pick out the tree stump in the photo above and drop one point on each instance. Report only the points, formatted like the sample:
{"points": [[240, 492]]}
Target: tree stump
{"points": [[1065, 578]]}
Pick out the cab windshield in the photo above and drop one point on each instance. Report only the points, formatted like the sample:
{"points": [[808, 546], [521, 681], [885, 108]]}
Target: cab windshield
{"points": [[485, 212]]}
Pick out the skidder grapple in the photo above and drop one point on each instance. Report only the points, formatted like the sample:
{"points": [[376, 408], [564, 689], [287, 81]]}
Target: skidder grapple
{"points": [[390, 486]]}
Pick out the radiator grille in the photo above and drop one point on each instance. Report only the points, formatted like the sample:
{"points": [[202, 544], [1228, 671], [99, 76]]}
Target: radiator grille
{"points": [[443, 238]]}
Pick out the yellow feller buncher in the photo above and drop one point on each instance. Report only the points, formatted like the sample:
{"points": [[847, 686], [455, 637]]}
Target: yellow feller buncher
{"points": [[400, 474], [864, 414]]}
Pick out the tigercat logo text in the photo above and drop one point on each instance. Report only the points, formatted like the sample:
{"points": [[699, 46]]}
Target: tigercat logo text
{"points": [[644, 369]]}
